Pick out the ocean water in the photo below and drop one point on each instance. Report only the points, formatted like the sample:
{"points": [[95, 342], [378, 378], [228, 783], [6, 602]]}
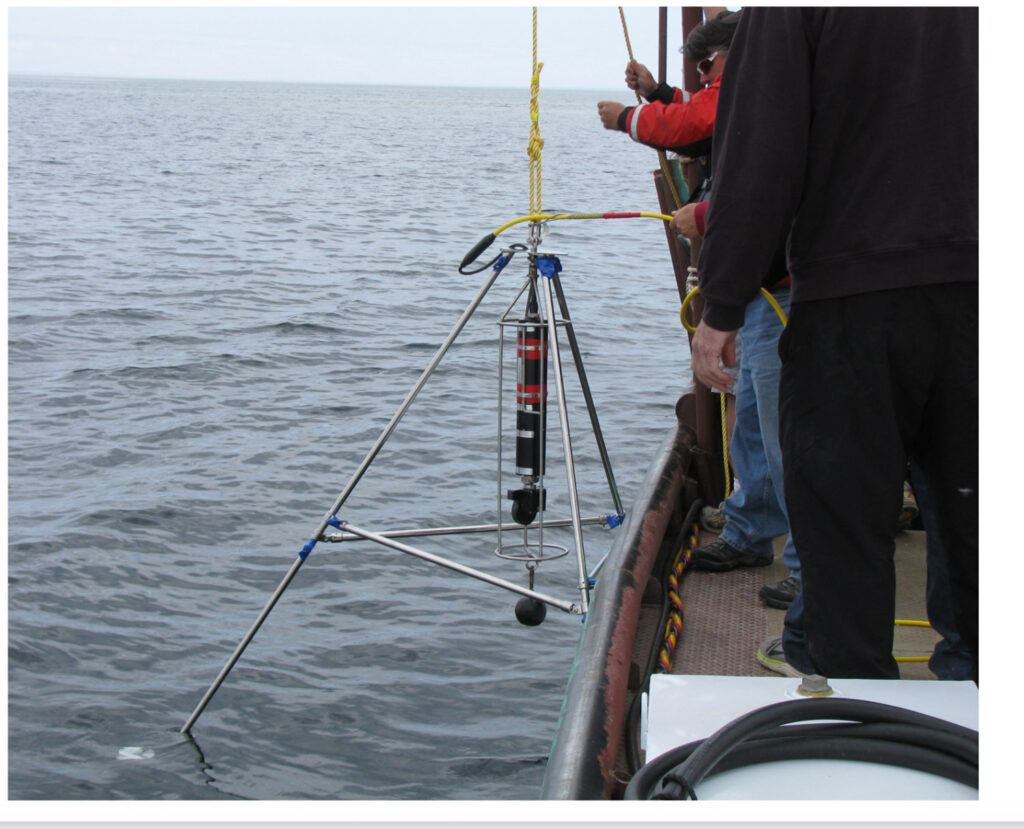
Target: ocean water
{"points": [[219, 294]]}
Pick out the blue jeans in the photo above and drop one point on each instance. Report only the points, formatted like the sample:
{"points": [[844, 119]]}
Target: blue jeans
{"points": [[756, 513], [794, 639]]}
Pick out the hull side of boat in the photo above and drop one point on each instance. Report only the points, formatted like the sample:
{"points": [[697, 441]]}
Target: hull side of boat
{"points": [[584, 755]]}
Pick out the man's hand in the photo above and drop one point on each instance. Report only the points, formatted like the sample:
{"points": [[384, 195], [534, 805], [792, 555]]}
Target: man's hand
{"points": [[638, 77], [683, 221], [707, 347], [609, 112]]}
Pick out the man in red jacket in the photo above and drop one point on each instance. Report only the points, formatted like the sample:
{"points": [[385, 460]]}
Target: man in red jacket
{"points": [[668, 121], [755, 515]]}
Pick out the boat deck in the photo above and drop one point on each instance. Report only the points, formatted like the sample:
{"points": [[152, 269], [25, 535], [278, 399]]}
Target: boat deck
{"points": [[601, 737], [725, 620]]}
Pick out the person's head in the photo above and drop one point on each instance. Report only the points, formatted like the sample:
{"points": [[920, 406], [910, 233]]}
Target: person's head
{"points": [[708, 44]]}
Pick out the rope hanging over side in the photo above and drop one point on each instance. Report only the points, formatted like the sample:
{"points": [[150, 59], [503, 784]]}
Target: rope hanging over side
{"points": [[629, 48], [536, 142], [662, 158]]}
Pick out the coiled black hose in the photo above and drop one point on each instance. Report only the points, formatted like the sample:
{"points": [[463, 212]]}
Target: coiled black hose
{"points": [[871, 732]]}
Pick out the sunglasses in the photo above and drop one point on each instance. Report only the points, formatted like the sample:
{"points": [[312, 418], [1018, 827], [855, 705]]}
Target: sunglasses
{"points": [[704, 65]]}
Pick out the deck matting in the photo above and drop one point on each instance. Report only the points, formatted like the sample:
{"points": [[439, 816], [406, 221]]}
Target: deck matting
{"points": [[724, 620]]}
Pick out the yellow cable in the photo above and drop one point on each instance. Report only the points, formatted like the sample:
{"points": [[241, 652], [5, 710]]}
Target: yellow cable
{"points": [[778, 309], [725, 446], [764, 292], [550, 217], [683, 308], [690, 328], [912, 623]]}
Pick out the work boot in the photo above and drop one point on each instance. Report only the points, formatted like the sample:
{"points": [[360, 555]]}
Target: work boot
{"points": [[780, 594], [719, 556]]}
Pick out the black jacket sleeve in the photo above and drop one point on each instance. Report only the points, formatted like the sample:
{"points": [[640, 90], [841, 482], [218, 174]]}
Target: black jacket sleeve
{"points": [[760, 145]]}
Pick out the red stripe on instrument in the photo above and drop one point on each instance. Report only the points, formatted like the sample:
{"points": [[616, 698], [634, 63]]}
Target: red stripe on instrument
{"points": [[531, 393], [532, 349]]}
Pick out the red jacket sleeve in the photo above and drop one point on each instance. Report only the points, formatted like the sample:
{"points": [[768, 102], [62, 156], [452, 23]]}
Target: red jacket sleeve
{"points": [[675, 125], [698, 216]]}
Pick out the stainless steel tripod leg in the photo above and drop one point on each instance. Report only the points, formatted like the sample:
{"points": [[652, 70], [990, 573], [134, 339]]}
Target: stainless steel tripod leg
{"points": [[324, 523], [185, 729], [570, 469], [588, 397]]}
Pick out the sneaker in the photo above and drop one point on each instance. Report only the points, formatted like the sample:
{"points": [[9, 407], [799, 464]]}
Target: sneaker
{"points": [[769, 654], [780, 594], [719, 556], [712, 519], [909, 512]]}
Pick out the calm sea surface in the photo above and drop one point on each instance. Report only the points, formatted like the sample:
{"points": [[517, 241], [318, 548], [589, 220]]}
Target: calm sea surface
{"points": [[219, 294]]}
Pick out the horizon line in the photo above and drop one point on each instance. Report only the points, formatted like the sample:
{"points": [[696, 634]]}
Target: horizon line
{"points": [[90, 76]]}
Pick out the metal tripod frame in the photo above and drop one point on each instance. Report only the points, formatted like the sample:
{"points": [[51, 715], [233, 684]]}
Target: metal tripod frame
{"points": [[543, 274]]}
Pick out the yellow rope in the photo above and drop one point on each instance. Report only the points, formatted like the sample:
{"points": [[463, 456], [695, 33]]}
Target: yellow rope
{"points": [[536, 142], [662, 158], [629, 48]]}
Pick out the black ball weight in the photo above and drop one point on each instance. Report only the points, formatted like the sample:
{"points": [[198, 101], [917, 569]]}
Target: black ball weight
{"points": [[530, 611]]}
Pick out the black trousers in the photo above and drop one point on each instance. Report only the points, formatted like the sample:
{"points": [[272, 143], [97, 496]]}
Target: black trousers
{"points": [[869, 381]]}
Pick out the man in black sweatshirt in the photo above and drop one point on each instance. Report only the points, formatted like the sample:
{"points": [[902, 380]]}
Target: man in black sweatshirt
{"points": [[851, 136]]}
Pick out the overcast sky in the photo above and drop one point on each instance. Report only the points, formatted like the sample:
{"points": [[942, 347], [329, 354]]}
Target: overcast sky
{"points": [[581, 47]]}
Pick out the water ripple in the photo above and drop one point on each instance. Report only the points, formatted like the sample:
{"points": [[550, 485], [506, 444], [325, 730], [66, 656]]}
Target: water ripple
{"points": [[213, 314]]}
